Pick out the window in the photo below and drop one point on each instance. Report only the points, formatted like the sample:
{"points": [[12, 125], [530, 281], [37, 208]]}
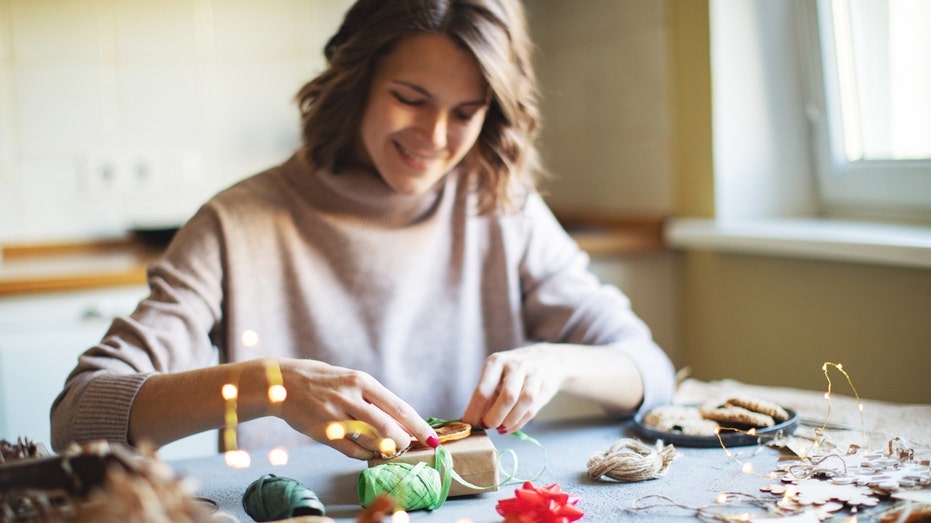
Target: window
{"points": [[870, 70]]}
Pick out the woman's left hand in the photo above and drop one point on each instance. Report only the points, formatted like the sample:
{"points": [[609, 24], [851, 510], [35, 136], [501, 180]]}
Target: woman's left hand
{"points": [[514, 386]]}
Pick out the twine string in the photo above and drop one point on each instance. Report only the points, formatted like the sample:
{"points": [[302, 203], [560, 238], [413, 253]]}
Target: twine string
{"points": [[629, 460]]}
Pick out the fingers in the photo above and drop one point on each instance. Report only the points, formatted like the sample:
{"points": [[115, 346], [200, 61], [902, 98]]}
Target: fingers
{"points": [[359, 440], [510, 392], [398, 420], [484, 395], [322, 394]]}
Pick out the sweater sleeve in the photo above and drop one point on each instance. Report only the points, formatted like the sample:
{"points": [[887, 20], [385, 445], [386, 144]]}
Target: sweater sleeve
{"points": [[169, 331], [564, 302]]}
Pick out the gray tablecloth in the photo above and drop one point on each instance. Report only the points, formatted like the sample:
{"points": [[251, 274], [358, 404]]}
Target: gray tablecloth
{"points": [[695, 478]]}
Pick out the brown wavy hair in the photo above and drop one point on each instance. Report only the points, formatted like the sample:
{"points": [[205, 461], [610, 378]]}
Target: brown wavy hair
{"points": [[505, 156]]}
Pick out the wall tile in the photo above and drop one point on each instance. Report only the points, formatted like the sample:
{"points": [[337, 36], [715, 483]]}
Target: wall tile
{"points": [[592, 19], [164, 30], [609, 176], [243, 28], [58, 107], [6, 30], [8, 206], [256, 118], [50, 183], [606, 137], [54, 29], [159, 105], [320, 19]]}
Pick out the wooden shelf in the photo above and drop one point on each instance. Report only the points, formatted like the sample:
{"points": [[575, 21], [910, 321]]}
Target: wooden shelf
{"points": [[27, 269], [601, 235]]}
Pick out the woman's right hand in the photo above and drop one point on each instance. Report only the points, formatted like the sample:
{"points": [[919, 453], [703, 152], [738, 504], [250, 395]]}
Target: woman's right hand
{"points": [[319, 393]]}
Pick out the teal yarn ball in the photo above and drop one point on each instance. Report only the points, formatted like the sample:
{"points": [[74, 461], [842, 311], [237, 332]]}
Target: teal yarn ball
{"points": [[412, 487], [272, 497]]}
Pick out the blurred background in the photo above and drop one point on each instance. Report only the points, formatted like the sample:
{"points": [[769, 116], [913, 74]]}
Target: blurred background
{"points": [[123, 116]]}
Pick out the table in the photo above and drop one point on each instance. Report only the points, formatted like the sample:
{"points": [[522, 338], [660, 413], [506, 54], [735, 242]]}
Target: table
{"points": [[694, 479]]}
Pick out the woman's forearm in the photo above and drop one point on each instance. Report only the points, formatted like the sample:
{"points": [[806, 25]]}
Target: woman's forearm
{"points": [[602, 374], [169, 407]]}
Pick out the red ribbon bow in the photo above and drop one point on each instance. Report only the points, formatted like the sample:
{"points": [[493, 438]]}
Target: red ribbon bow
{"points": [[532, 504]]}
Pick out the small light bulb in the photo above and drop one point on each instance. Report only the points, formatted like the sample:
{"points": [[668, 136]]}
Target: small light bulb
{"points": [[400, 517], [229, 391], [238, 459], [278, 457], [747, 468], [335, 430], [249, 338], [277, 393], [387, 446]]}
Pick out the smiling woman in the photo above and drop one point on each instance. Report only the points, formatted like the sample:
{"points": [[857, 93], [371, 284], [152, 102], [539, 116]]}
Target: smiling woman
{"points": [[399, 265]]}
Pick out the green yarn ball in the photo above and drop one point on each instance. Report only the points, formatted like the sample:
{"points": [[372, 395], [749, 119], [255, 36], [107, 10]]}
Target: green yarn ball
{"points": [[272, 497], [412, 487]]}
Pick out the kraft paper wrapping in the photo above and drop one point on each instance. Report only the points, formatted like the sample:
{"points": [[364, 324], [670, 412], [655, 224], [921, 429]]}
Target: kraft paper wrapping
{"points": [[475, 459]]}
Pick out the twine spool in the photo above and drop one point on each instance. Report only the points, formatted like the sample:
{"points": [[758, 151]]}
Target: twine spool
{"points": [[413, 487], [272, 497], [630, 460]]}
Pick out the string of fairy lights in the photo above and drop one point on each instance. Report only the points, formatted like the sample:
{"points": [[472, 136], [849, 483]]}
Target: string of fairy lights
{"points": [[277, 393], [736, 498]]}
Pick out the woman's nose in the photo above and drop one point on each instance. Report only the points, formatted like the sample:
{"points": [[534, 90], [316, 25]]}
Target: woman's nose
{"points": [[434, 126]]}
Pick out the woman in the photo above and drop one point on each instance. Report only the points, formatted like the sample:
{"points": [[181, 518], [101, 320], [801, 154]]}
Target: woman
{"points": [[398, 266]]}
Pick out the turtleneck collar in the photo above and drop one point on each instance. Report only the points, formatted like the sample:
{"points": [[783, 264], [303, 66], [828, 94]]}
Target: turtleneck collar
{"points": [[362, 193]]}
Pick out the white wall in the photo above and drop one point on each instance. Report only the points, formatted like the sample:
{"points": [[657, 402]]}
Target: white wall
{"points": [[195, 93]]}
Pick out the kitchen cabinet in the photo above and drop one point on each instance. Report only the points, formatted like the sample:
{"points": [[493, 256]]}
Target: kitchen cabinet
{"points": [[41, 337]]}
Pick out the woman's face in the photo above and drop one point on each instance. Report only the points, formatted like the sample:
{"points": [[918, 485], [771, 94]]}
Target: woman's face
{"points": [[425, 110]]}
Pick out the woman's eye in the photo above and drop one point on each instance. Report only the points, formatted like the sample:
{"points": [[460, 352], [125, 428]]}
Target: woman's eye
{"points": [[464, 116], [405, 100]]}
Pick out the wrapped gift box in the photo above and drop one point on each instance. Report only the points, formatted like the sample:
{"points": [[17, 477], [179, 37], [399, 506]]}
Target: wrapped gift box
{"points": [[475, 459]]}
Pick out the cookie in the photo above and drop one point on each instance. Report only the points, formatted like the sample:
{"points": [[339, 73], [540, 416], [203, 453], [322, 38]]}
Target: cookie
{"points": [[680, 419], [750, 403], [729, 415]]}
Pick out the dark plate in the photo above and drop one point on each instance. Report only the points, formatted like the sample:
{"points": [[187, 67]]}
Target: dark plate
{"points": [[730, 438]]}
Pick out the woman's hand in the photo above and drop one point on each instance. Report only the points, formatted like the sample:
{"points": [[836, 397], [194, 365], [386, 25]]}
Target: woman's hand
{"points": [[514, 386], [319, 393]]}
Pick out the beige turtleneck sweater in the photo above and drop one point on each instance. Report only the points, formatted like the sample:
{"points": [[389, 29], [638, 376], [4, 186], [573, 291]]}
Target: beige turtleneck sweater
{"points": [[415, 290]]}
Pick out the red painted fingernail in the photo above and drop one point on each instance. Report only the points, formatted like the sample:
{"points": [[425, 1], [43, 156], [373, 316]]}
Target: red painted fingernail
{"points": [[433, 441], [502, 429]]}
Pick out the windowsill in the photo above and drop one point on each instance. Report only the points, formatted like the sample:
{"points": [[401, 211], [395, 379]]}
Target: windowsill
{"points": [[896, 245]]}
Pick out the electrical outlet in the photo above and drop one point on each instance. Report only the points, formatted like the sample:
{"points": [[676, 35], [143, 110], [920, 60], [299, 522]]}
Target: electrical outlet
{"points": [[98, 174], [137, 174]]}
